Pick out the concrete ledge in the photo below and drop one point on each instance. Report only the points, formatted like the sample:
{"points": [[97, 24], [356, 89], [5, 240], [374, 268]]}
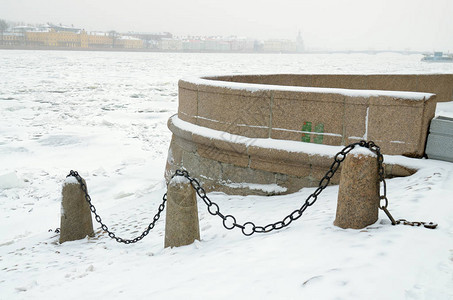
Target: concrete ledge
{"points": [[397, 120], [241, 165], [278, 133]]}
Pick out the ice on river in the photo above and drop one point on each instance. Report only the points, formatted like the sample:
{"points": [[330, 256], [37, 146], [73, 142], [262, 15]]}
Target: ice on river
{"points": [[105, 114]]}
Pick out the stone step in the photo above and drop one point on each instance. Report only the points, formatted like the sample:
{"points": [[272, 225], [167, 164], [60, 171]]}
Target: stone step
{"points": [[440, 139]]}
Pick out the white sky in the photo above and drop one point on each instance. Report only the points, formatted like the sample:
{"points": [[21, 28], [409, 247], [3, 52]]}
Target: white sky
{"points": [[325, 24]]}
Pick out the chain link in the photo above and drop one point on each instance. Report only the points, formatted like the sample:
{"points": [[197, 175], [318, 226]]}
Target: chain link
{"points": [[104, 227]]}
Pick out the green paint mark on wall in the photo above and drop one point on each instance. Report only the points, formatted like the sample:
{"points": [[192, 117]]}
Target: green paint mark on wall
{"points": [[306, 128], [306, 133], [317, 138]]}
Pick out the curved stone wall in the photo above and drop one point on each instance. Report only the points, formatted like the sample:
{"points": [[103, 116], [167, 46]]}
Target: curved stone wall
{"points": [[269, 134]]}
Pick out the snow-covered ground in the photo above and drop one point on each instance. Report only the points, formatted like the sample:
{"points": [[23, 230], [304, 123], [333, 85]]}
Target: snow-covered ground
{"points": [[105, 114]]}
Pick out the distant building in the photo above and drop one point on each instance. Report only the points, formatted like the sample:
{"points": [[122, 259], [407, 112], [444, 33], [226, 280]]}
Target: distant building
{"points": [[53, 38], [277, 46], [300, 47], [98, 39], [129, 42], [69, 37], [191, 45], [60, 36], [242, 45], [12, 38], [170, 44]]}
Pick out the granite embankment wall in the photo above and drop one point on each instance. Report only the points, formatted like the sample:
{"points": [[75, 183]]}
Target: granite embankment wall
{"points": [[278, 133]]}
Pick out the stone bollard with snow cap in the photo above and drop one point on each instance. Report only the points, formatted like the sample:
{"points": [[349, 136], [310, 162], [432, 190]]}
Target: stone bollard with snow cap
{"points": [[358, 195], [181, 225], [76, 222]]}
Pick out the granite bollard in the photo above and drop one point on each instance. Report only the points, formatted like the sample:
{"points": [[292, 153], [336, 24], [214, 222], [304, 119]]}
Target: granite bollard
{"points": [[76, 222], [181, 225], [358, 195]]}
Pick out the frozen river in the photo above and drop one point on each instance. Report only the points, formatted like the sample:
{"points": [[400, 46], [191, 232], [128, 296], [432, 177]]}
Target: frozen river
{"points": [[104, 114]]}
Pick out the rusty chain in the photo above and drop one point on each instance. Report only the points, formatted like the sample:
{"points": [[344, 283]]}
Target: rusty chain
{"points": [[249, 228]]}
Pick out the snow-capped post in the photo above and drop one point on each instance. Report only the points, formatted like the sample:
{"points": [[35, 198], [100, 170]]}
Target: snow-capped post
{"points": [[76, 222], [181, 225], [358, 195]]}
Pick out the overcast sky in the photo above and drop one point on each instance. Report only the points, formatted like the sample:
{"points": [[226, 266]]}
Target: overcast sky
{"points": [[425, 25]]}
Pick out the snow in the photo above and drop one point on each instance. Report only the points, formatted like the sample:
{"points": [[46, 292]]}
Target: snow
{"points": [[179, 180], [10, 180], [268, 188], [70, 180], [252, 87], [357, 151], [104, 115]]}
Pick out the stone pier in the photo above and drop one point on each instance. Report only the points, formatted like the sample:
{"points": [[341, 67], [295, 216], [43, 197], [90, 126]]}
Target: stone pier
{"points": [[182, 225], [76, 222]]}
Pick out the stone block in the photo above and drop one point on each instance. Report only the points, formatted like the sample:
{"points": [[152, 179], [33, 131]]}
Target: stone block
{"points": [[440, 139], [280, 166], [392, 170], [391, 82], [358, 195], [186, 145], [284, 134], [355, 123], [303, 80], [339, 81], [215, 124], [232, 144], [175, 152], [188, 105], [396, 129], [250, 131], [181, 224], [187, 85], [221, 155], [439, 84], [208, 169], [319, 160], [190, 161], [236, 128], [277, 154], [226, 108], [429, 112], [294, 114], [75, 222], [293, 183], [178, 131], [233, 173]]}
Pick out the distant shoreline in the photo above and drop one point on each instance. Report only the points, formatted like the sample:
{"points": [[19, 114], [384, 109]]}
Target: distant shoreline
{"points": [[100, 49]]}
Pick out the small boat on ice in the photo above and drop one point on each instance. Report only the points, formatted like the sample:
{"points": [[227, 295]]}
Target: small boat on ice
{"points": [[438, 57]]}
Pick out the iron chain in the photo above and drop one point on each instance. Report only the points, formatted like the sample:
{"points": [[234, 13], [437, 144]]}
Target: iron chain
{"points": [[384, 202], [104, 227], [249, 228]]}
